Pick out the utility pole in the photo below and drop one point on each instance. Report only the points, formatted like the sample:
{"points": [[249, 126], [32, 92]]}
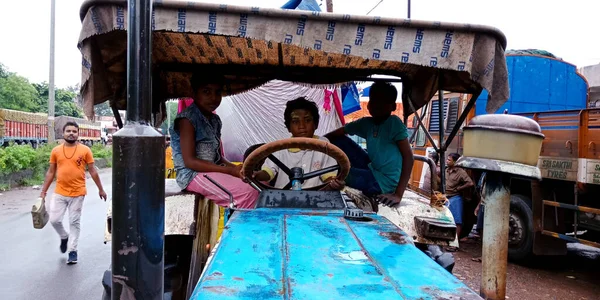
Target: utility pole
{"points": [[408, 14], [51, 136], [329, 4]]}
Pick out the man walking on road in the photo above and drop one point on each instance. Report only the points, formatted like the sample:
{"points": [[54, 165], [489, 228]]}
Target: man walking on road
{"points": [[68, 162]]}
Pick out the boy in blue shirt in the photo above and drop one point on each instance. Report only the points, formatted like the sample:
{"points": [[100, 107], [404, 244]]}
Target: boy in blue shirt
{"points": [[383, 172]]}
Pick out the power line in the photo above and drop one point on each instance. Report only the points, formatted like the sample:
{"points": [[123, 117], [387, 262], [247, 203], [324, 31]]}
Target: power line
{"points": [[374, 7]]}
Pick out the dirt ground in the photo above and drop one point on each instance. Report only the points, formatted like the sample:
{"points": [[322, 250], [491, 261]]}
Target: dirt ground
{"points": [[574, 276]]}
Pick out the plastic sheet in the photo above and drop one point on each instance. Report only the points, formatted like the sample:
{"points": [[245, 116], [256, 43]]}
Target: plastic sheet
{"points": [[256, 116]]}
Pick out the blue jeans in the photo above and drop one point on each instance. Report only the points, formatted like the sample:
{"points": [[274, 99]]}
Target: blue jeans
{"points": [[455, 204], [360, 177]]}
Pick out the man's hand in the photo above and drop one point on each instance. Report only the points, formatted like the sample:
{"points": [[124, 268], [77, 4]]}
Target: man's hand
{"points": [[335, 184], [102, 194], [43, 195], [390, 200]]}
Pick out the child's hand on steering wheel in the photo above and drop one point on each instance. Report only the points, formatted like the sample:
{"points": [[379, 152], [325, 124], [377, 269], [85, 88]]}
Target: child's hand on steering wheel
{"points": [[335, 184]]}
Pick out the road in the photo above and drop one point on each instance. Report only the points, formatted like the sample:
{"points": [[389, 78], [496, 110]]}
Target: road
{"points": [[571, 277], [31, 265]]}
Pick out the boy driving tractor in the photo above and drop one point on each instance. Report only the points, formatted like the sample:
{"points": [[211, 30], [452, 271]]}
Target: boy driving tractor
{"points": [[301, 119]]}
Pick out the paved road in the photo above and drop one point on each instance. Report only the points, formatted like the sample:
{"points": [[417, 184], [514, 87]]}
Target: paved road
{"points": [[31, 265]]}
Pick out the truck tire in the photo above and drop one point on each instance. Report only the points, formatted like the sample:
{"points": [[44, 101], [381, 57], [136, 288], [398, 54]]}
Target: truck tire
{"points": [[520, 237]]}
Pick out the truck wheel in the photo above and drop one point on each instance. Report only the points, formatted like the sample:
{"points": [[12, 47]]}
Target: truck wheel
{"points": [[520, 231]]}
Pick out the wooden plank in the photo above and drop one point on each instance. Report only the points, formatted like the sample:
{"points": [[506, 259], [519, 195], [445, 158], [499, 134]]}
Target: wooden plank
{"points": [[207, 217], [589, 171], [558, 168]]}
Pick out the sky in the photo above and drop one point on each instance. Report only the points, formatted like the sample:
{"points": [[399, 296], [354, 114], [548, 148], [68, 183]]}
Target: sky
{"points": [[565, 28]]}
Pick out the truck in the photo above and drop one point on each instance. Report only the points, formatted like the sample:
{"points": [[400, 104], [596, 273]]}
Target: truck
{"points": [[563, 207], [23, 127], [32, 128], [89, 132]]}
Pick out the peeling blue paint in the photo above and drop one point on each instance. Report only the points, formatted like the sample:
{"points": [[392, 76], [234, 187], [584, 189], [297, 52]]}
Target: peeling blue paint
{"points": [[321, 256]]}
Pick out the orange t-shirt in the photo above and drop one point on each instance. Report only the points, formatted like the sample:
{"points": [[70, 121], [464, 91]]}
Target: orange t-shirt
{"points": [[70, 169]]}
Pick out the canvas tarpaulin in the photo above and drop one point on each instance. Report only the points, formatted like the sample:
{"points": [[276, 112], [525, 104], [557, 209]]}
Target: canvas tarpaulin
{"points": [[251, 46], [256, 116]]}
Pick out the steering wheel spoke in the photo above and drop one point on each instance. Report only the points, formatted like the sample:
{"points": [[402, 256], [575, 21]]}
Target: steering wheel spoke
{"points": [[320, 172], [288, 186], [281, 166]]}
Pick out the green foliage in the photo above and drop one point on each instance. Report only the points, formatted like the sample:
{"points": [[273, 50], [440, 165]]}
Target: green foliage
{"points": [[18, 93], [22, 157], [64, 101], [101, 151], [16, 157], [103, 109]]}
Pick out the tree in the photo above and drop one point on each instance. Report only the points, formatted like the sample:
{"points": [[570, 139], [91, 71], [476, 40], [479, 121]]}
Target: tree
{"points": [[16, 92], [3, 71], [103, 109], [65, 101]]}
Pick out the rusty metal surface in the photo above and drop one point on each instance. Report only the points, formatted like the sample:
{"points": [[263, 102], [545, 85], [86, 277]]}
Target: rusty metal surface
{"points": [[495, 236], [570, 238], [572, 207], [292, 254], [517, 169], [435, 229], [414, 205], [300, 199], [543, 244]]}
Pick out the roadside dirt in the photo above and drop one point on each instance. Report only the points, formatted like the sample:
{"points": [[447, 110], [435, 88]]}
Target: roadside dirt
{"points": [[574, 276]]}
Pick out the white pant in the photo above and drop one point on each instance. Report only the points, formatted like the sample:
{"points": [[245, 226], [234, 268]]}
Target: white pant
{"points": [[58, 207]]}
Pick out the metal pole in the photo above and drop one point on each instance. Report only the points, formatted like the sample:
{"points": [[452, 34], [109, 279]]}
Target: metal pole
{"points": [[138, 175], [408, 14], [495, 236], [441, 148], [51, 133]]}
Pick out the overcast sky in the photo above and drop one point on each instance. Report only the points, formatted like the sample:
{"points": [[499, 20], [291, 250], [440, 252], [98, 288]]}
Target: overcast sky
{"points": [[569, 29]]}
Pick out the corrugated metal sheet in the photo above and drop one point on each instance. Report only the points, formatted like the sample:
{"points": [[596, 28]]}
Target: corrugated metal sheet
{"points": [[539, 84]]}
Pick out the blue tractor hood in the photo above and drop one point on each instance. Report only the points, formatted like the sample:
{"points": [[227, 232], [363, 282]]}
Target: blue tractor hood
{"points": [[315, 254]]}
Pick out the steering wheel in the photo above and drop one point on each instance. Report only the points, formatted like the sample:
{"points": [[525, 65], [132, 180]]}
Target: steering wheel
{"points": [[267, 150]]}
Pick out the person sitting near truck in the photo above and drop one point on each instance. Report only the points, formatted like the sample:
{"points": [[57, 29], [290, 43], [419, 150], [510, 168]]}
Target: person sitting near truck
{"points": [[457, 182], [384, 170], [196, 142], [301, 117]]}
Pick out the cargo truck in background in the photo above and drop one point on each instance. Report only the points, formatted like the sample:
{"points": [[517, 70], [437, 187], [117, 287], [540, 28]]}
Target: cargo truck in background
{"points": [[565, 205], [23, 127], [32, 128]]}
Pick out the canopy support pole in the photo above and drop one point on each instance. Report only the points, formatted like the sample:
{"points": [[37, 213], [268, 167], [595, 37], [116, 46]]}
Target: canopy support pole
{"points": [[420, 122], [138, 175], [441, 149], [462, 118]]}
